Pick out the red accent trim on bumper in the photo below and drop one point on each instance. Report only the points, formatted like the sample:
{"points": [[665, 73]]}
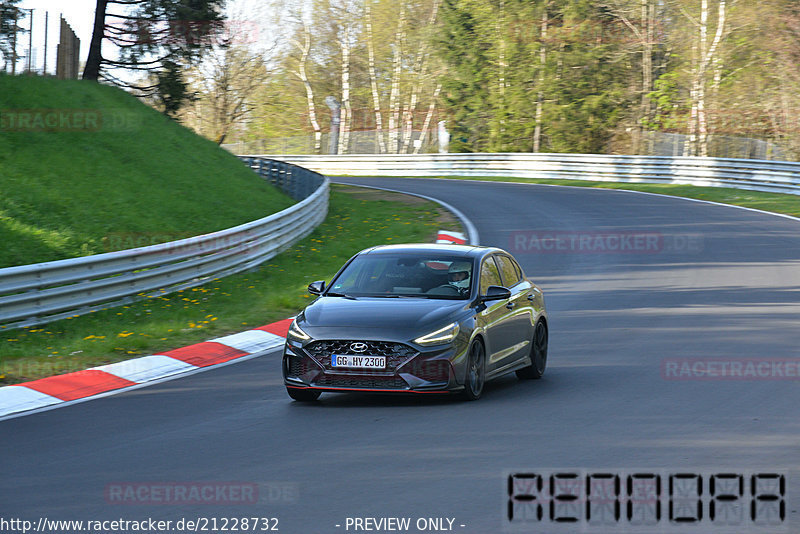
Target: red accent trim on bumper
{"points": [[344, 390]]}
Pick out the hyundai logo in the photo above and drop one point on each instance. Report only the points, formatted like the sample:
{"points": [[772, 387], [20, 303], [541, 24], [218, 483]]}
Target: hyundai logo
{"points": [[358, 347]]}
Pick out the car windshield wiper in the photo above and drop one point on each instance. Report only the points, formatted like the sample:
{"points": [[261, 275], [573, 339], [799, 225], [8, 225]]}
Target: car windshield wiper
{"points": [[333, 294], [402, 296]]}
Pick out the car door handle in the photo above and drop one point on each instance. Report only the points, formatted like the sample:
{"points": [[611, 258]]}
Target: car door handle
{"points": [[510, 305], [531, 297]]}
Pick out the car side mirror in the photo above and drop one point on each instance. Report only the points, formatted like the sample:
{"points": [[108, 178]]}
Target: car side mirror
{"points": [[316, 288], [496, 293]]}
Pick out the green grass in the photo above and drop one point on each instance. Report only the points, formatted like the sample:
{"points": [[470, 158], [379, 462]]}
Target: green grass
{"points": [[774, 202], [136, 179], [356, 220]]}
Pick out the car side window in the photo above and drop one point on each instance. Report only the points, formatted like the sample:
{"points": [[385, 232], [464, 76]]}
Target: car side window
{"points": [[508, 270], [518, 267], [490, 276]]}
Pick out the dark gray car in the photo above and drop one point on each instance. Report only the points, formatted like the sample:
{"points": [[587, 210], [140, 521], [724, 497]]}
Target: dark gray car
{"points": [[418, 319]]}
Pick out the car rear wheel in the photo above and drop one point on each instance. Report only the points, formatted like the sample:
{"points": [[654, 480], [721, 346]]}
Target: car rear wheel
{"points": [[538, 354], [303, 395], [476, 371]]}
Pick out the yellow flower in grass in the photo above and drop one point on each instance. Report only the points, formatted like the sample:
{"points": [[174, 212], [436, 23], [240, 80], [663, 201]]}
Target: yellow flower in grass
{"points": [[125, 334]]}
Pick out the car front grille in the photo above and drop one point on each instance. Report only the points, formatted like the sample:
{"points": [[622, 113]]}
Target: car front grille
{"points": [[430, 371], [363, 382], [396, 353], [298, 366]]}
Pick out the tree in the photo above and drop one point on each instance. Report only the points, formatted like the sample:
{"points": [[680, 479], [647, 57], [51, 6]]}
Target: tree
{"points": [[532, 75], [154, 37], [305, 50], [10, 30], [373, 78], [465, 49], [643, 21], [704, 54], [224, 86]]}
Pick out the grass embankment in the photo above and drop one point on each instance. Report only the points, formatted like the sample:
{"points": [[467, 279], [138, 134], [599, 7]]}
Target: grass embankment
{"points": [[86, 169], [774, 202], [357, 219]]}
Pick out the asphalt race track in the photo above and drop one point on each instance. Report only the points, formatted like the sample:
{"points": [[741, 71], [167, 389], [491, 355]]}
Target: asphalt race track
{"points": [[639, 342]]}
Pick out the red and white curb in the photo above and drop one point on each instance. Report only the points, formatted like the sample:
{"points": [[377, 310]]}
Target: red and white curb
{"points": [[53, 390], [456, 238]]}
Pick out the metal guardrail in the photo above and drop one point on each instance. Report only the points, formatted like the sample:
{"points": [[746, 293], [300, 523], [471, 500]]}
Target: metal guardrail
{"points": [[43, 292], [757, 175]]}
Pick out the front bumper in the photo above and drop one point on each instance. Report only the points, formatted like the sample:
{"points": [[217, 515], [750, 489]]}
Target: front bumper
{"points": [[409, 369]]}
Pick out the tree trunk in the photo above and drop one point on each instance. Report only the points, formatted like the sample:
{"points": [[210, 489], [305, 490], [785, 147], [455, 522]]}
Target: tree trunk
{"points": [[428, 117], [699, 82], [344, 125], [373, 80], [706, 58], [537, 132], [500, 29], [92, 69], [305, 49], [647, 73], [420, 73], [394, 100]]}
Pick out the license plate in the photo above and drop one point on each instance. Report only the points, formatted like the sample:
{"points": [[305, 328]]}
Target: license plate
{"points": [[358, 362]]}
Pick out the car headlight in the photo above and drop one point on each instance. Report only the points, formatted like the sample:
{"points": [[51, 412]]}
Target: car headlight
{"points": [[438, 337], [296, 333]]}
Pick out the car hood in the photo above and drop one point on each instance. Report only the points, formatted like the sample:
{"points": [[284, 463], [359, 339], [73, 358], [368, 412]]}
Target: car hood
{"points": [[407, 314]]}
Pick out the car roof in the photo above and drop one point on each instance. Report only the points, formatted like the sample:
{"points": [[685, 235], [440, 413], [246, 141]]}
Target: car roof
{"points": [[446, 248]]}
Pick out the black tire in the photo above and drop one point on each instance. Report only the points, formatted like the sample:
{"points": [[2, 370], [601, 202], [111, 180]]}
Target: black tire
{"points": [[303, 395], [538, 354], [476, 372]]}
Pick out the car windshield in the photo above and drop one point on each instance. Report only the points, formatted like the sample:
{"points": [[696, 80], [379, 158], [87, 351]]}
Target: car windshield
{"points": [[404, 275]]}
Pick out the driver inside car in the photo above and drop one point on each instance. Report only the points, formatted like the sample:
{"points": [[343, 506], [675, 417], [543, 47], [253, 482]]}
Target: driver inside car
{"points": [[458, 275]]}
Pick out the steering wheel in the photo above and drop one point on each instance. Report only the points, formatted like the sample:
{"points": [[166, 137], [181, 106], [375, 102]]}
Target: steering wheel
{"points": [[449, 290]]}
